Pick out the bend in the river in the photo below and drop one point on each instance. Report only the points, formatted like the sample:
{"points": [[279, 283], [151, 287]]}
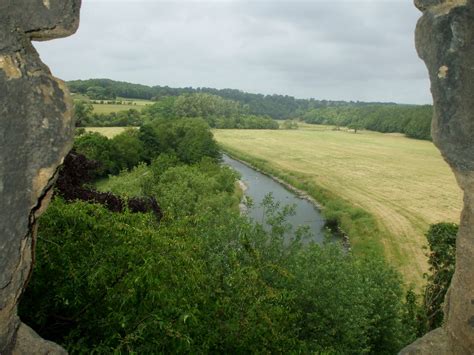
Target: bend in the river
{"points": [[259, 185]]}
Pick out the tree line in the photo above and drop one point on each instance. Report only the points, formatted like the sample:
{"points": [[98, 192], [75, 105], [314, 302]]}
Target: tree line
{"points": [[187, 139], [274, 106], [413, 121], [216, 111]]}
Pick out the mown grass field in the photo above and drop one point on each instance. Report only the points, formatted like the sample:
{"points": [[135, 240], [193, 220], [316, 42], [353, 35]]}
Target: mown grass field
{"points": [[107, 108], [109, 132], [403, 183], [127, 105]]}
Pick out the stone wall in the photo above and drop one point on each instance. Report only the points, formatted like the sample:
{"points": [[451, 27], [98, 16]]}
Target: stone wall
{"points": [[36, 132], [445, 41]]}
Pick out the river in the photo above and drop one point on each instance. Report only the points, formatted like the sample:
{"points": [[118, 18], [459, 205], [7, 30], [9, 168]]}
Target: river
{"points": [[259, 185]]}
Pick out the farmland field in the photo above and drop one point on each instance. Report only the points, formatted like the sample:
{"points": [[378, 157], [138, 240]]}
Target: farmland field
{"points": [[109, 132], [127, 105], [404, 183], [107, 108]]}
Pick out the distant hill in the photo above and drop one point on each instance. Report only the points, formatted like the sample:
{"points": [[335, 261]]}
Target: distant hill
{"points": [[412, 120], [275, 106]]}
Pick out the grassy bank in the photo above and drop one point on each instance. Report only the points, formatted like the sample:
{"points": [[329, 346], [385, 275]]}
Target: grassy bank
{"points": [[384, 189], [353, 220]]}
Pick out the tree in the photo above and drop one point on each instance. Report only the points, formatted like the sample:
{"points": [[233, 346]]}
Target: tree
{"points": [[98, 148], [206, 106], [163, 108], [100, 93], [195, 141], [150, 141], [190, 139], [82, 112], [127, 149], [355, 126]]}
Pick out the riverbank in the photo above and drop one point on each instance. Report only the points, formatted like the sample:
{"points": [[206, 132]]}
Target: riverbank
{"points": [[259, 186], [403, 184], [334, 228], [298, 192], [357, 224]]}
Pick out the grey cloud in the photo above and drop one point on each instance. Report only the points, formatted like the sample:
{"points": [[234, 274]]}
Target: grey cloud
{"points": [[352, 50]]}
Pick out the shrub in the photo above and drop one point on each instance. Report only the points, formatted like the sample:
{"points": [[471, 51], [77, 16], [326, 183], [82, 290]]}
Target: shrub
{"points": [[442, 259], [205, 280]]}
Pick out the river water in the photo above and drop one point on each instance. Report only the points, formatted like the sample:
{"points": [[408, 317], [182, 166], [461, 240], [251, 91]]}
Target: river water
{"points": [[259, 185]]}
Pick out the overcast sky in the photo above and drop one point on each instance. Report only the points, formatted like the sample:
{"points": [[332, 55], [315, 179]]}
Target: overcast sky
{"points": [[338, 50]]}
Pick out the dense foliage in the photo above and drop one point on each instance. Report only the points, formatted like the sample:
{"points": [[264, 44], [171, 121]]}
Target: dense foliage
{"points": [[217, 112], [427, 315], [442, 260], [188, 139], [229, 108], [274, 106], [414, 121], [82, 113], [112, 89], [127, 118], [72, 185], [205, 279], [99, 92], [220, 113], [124, 151]]}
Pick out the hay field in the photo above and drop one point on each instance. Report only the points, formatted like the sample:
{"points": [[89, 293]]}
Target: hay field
{"points": [[403, 182], [138, 102], [109, 132], [109, 108]]}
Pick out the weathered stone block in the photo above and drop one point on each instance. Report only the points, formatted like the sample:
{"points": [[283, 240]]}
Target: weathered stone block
{"points": [[445, 41], [36, 132]]}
